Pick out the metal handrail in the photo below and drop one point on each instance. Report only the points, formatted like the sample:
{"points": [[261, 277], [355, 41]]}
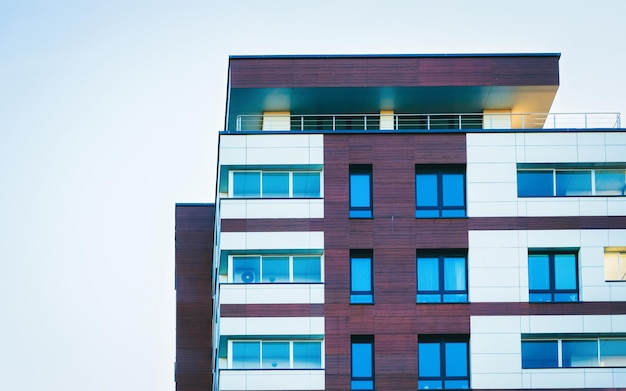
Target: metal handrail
{"points": [[438, 121]]}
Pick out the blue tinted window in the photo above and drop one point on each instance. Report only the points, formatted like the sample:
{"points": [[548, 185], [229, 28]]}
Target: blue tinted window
{"points": [[453, 189], [610, 182], [443, 364], [441, 278], [552, 277], [580, 353], [306, 184], [360, 191], [307, 269], [429, 359], [246, 355], [275, 184], [362, 363], [540, 354], [361, 279], [275, 355], [247, 184], [426, 190], [439, 191], [307, 355], [275, 269], [573, 183], [535, 183]]}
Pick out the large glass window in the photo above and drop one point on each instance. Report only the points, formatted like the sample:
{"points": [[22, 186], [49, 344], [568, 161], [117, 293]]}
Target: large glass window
{"points": [[276, 184], [441, 277], [361, 277], [564, 182], [276, 354], [362, 368], [361, 191], [276, 269], [615, 265], [439, 191], [552, 276], [443, 363], [573, 353]]}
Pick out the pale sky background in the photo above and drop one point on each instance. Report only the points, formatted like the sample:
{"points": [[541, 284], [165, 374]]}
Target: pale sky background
{"points": [[109, 114]]}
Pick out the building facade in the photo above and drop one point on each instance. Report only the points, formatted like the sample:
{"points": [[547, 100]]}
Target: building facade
{"points": [[401, 223]]}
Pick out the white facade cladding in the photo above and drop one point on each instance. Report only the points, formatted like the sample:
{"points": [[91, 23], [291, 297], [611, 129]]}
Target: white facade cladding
{"points": [[493, 160], [498, 262], [496, 351]]}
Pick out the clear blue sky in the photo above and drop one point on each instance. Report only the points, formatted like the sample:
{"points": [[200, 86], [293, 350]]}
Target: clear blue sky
{"points": [[109, 113]]}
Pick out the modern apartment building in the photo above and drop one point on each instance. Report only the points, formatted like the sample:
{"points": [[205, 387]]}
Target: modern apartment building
{"points": [[405, 222]]}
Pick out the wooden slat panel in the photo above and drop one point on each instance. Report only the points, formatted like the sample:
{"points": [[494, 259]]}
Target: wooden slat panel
{"points": [[394, 71], [194, 306]]}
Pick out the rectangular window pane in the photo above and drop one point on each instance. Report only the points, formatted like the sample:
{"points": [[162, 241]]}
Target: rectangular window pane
{"points": [[429, 359], [246, 355], [275, 184], [535, 183], [247, 184], [538, 271], [565, 271], [540, 354], [453, 189], [613, 353], [610, 182], [428, 274], [275, 269], [361, 275], [426, 190], [307, 355], [362, 363], [306, 184], [580, 353], [456, 359], [360, 190], [307, 269], [454, 273], [246, 269], [573, 183], [275, 355]]}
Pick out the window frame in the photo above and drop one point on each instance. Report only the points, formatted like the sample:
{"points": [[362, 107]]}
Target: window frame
{"points": [[440, 171], [560, 340], [442, 341], [362, 296], [441, 275], [555, 171], [361, 212], [552, 290], [354, 380], [231, 358], [290, 195], [259, 280]]}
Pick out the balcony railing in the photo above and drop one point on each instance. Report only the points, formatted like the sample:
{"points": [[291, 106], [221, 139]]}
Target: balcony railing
{"points": [[391, 122]]}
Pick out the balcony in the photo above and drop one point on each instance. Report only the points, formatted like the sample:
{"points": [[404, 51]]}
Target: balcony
{"points": [[427, 122]]}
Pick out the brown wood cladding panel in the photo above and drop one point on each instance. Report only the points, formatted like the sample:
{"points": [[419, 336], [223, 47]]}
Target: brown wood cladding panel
{"points": [[271, 225], [393, 71], [194, 307], [394, 235], [270, 310], [541, 223]]}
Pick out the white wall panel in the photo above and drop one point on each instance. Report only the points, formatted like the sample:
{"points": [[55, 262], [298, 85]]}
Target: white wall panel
{"points": [[272, 326], [272, 240], [272, 379], [269, 149], [271, 293], [294, 208]]}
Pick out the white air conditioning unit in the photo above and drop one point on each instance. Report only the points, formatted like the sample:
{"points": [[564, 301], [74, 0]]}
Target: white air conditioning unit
{"points": [[246, 276]]}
